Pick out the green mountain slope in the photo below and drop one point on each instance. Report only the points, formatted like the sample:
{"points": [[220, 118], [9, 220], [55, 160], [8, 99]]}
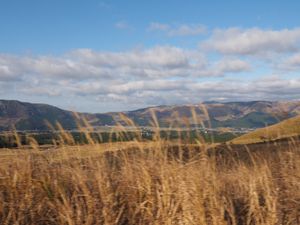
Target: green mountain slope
{"points": [[251, 120]]}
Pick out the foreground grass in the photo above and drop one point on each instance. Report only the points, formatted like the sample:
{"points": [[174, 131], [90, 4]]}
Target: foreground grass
{"points": [[148, 183]]}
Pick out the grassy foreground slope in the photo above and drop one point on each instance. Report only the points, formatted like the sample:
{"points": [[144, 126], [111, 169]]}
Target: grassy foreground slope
{"points": [[148, 184], [284, 129]]}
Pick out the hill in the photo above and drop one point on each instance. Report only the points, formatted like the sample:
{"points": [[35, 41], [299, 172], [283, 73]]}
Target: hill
{"points": [[284, 129], [256, 114], [27, 116]]}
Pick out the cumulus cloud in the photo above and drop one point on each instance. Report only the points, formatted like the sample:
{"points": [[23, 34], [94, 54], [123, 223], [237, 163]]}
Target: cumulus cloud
{"points": [[229, 65], [253, 41], [81, 64], [158, 27], [7, 70], [265, 88], [179, 30], [158, 57], [162, 62], [158, 92], [6, 74], [187, 30], [291, 63], [159, 75], [146, 64]]}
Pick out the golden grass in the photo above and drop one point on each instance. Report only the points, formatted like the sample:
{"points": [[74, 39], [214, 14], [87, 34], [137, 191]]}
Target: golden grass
{"points": [[156, 182], [286, 128], [145, 183]]}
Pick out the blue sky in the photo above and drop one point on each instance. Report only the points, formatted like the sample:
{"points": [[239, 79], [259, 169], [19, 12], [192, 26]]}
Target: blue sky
{"points": [[57, 26], [102, 56]]}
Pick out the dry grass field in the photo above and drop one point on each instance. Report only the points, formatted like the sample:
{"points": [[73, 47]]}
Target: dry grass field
{"points": [[286, 128], [151, 183]]}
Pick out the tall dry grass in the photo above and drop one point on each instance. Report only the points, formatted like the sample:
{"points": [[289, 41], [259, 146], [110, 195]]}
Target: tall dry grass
{"points": [[148, 183], [140, 185]]}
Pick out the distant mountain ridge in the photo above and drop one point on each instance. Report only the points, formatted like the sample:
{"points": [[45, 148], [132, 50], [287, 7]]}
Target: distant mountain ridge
{"points": [[28, 116], [232, 114], [255, 114]]}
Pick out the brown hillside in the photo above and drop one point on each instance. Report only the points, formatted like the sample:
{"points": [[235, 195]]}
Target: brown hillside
{"points": [[286, 128]]}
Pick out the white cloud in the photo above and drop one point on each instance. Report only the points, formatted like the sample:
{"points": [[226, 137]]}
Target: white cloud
{"points": [[10, 68], [232, 66], [159, 75], [253, 41], [154, 63], [178, 30], [187, 30], [189, 91], [291, 63], [149, 63], [158, 27]]}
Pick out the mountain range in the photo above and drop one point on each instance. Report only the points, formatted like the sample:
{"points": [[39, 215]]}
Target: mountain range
{"points": [[255, 114]]}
